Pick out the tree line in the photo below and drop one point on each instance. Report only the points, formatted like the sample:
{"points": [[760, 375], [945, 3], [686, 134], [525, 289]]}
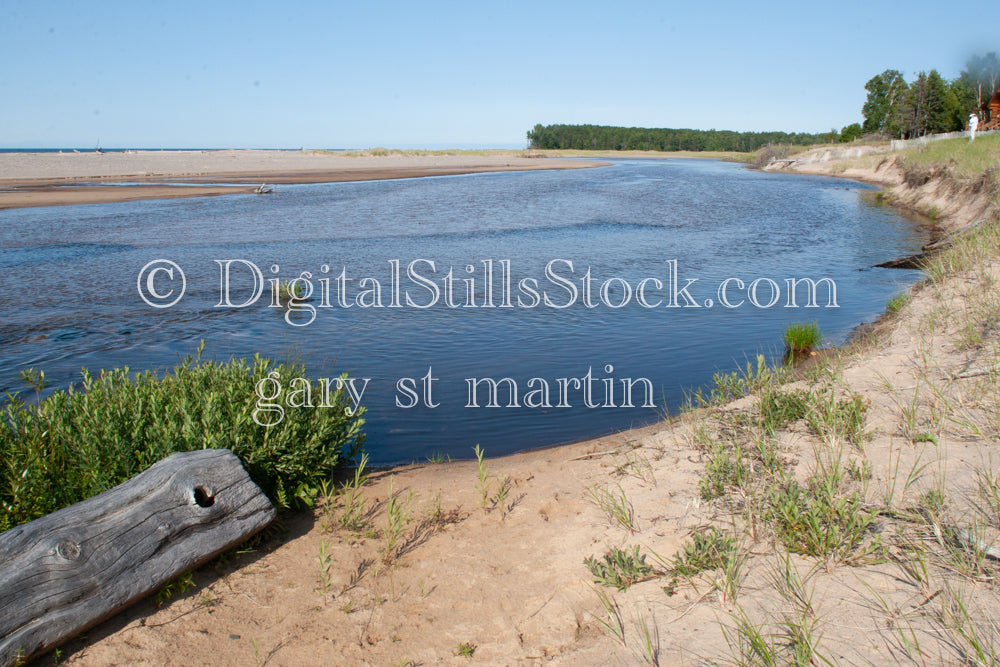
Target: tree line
{"points": [[604, 137], [893, 108], [929, 104]]}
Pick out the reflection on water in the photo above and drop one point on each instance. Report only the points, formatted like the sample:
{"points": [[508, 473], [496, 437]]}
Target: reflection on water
{"points": [[68, 295]]}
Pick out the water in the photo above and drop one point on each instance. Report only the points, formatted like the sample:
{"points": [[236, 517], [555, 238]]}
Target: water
{"points": [[69, 299]]}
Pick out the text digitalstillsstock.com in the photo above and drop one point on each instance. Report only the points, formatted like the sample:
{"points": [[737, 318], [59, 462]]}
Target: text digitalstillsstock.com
{"points": [[421, 285]]}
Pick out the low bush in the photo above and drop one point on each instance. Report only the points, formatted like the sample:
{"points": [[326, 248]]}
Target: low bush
{"points": [[78, 443]]}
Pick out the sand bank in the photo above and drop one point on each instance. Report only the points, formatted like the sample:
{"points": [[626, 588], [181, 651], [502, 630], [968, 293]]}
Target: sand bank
{"points": [[54, 179]]}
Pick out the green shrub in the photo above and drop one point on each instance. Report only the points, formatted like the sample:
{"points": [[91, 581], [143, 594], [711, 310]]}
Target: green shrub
{"points": [[816, 520], [708, 550], [78, 443], [620, 568]]}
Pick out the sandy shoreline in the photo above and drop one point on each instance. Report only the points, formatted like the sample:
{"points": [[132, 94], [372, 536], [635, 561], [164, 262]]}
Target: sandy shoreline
{"points": [[56, 179]]}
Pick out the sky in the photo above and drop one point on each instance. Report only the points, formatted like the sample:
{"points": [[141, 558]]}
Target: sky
{"points": [[450, 74]]}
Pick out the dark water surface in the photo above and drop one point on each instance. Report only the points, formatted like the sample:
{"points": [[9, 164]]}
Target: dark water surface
{"points": [[69, 297]]}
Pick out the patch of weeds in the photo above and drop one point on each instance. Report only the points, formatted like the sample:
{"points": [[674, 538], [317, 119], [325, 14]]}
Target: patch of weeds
{"points": [[80, 442], [291, 291], [800, 624], [182, 584], [751, 643], [726, 468], [817, 521], [839, 419], [617, 507], [727, 387], [777, 409], [709, 549], [894, 305], [966, 551], [438, 518], [354, 514], [620, 568], [465, 650], [932, 503], [974, 641], [795, 637], [398, 514], [638, 466], [439, 457], [503, 484], [860, 471]]}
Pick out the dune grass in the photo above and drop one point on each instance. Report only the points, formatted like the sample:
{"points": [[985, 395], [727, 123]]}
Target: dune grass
{"points": [[965, 159]]}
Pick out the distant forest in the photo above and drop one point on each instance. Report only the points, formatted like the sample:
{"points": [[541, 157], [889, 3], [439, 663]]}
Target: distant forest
{"points": [[893, 108], [607, 138]]}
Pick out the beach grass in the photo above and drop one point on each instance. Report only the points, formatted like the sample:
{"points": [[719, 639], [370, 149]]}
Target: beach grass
{"points": [[802, 336], [963, 158]]}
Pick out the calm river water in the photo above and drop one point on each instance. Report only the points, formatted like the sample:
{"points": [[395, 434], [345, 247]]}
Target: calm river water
{"points": [[69, 296]]}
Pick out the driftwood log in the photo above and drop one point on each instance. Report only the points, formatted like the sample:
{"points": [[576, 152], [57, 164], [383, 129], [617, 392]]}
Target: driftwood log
{"points": [[71, 569], [919, 260]]}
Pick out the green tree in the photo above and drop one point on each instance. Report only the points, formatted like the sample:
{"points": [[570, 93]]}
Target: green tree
{"points": [[937, 104], [851, 132], [965, 97], [882, 109]]}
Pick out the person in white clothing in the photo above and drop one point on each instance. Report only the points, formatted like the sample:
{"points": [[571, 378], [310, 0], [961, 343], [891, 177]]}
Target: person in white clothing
{"points": [[973, 124]]}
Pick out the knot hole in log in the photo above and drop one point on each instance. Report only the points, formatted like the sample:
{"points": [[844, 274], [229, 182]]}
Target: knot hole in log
{"points": [[203, 497]]}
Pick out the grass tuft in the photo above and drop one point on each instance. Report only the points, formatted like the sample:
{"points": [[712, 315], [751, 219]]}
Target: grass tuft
{"points": [[802, 336]]}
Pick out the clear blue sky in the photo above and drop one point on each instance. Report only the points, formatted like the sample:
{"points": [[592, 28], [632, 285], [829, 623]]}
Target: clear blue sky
{"points": [[362, 74]]}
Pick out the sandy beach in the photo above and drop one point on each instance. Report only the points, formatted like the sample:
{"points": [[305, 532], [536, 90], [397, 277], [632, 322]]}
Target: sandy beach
{"points": [[504, 581], [55, 179]]}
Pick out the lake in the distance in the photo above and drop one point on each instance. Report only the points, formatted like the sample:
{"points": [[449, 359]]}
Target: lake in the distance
{"points": [[69, 297]]}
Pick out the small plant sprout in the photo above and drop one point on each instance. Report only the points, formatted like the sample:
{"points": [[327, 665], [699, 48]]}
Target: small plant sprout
{"points": [[485, 484], [500, 499], [465, 650], [354, 515], [324, 568], [178, 586], [612, 622], [397, 517]]}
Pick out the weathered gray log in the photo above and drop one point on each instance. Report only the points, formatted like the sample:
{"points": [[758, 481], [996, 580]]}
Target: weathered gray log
{"points": [[71, 569]]}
